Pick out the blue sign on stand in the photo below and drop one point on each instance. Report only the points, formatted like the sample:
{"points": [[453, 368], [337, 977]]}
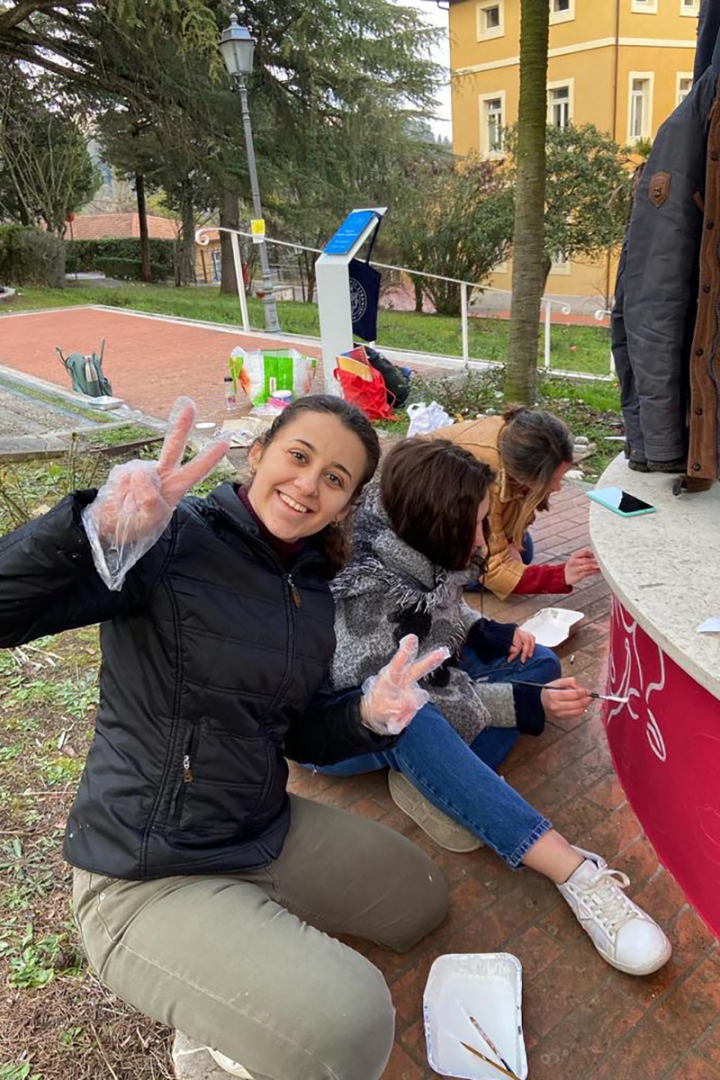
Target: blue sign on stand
{"points": [[349, 232]]}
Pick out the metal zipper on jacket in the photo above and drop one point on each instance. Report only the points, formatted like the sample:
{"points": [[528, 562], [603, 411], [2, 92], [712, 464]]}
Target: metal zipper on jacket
{"points": [[187, 770], [293, 590]]}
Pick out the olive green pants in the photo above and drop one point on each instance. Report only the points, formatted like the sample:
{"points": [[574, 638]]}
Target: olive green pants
{"points": [[243, 962]]}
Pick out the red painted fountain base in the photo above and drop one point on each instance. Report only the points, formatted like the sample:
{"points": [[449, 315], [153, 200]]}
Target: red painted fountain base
{"points": [[665, 744]]}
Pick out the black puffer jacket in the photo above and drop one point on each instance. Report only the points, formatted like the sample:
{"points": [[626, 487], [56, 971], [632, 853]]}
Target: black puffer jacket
{"points": [[214, 664]]}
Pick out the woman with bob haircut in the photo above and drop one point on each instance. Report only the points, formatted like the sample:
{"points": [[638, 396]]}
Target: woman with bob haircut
{"points": [[415, 536], [205, 896], [529, 450]]}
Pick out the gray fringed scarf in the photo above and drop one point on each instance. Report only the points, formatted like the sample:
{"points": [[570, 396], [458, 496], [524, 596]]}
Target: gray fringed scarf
{"points": [[388, 590]]}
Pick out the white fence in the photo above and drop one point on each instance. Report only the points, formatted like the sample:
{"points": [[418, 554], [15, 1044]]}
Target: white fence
{"points": [[466, 290]]}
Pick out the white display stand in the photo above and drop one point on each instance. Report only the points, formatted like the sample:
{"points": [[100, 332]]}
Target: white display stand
{"points": [[333, 286]]}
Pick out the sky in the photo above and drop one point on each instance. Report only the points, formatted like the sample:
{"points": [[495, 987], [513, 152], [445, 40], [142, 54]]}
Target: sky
{"points": [[436, 16]]}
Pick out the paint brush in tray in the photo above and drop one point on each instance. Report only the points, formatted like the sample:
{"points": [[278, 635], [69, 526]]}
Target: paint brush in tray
{"points": [[503, 1067], [488, 1061], [481, 1031], [593, 693]]}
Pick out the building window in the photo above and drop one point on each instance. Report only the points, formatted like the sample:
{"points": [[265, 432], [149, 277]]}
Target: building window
{"points": [[640, 105], [690, 7], [559, 264], [492, 122], [562, 11], [684, 86], [644, 7], [560, 103], [216, 265], [490, 20]]}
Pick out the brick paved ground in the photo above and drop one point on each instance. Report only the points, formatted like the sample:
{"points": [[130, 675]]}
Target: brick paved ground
{"points": [[582, 1019]]}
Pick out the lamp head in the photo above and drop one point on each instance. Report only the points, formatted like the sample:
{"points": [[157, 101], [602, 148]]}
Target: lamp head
{"points": [[237, 47]]}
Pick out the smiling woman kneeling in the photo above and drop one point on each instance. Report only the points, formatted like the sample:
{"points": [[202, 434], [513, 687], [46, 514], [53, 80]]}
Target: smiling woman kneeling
{"points": [[205, 896]]}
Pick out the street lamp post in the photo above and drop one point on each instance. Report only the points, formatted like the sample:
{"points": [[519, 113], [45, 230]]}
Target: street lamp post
{"points": [[237, 47]]}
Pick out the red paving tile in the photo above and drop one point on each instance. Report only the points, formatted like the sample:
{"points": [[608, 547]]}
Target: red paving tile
{"points": [[582, 1019]]}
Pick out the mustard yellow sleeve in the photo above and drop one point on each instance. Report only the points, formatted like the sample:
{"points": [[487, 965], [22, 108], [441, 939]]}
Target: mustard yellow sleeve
{"points": [[503, 573]]}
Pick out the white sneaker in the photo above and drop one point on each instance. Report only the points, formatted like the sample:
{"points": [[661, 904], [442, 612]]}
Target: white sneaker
{"points": [[622, 933], [229, 1065]]}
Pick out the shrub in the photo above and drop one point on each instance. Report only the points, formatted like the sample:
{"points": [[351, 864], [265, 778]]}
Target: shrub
{"points": [[84, 255], [126, 269], [29, 256]]}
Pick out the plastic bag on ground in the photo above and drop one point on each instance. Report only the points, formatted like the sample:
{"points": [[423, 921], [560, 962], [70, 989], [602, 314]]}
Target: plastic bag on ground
{"points": [[424, 419]]}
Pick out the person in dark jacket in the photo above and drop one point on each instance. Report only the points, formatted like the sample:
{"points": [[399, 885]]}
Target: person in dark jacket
{"points": [[665, 337], [203, 893]]}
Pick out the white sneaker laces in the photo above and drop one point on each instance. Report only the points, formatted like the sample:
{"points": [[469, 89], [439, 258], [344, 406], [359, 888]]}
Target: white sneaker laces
{"points": [[608, 903]]}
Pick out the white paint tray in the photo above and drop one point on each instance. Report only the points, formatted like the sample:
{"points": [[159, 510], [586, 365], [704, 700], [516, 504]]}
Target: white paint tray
{"points": [[552, 625], [487, 986]]}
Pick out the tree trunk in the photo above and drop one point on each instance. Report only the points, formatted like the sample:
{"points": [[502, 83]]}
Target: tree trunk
{"points": [[529, 259], [418, 288], [301, 273], [186, 267], [311, 283], [229, 219], [146, 269]]}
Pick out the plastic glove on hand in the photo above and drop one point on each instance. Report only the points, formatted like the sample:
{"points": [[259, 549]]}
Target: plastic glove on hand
{"points": [[392, 697], [134, 506]]}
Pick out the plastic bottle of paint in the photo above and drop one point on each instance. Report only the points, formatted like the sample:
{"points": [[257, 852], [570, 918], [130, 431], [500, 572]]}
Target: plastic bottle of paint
{"points": [[231, 401]]}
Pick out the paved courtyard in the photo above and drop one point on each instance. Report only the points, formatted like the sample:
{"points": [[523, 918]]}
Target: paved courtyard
{"points": [[583, 1020], [149, 360]]}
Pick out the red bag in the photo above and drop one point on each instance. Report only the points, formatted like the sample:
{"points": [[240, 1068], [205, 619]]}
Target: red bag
{"points": [[368, 391]]}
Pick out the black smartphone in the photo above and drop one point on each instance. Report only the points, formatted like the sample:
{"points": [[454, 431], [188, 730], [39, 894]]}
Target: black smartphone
{"points": [[620, 502]]}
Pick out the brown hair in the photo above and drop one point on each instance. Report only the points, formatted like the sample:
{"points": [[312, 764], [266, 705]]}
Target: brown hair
{"points": [[431, 492], [533, 445], [332, 537]]}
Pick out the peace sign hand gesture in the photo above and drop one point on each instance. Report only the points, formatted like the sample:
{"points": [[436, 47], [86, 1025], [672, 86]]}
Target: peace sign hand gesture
{"points": [[392, 697], [134, 506]]}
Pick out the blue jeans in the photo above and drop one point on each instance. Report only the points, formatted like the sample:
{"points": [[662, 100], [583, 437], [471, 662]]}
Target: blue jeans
{"points": [[460, 779]]}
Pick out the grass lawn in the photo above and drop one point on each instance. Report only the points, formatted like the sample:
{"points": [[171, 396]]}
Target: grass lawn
{"points": [[59, 1022], [574, 348]]}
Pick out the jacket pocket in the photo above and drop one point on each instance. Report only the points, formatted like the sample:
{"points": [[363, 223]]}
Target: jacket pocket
{"points": [[186, 773], [223, 780]]}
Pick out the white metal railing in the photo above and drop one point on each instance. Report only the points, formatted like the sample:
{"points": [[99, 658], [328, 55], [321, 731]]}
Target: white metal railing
{"points": [[466, 288], [601, 314]]}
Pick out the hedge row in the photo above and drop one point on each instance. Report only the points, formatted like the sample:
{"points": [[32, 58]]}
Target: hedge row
{"points": [[85, 255], [127, 269], [29, 256]]}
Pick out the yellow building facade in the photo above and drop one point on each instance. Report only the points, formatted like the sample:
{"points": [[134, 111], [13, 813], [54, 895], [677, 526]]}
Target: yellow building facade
{"points": [[622, 65]]}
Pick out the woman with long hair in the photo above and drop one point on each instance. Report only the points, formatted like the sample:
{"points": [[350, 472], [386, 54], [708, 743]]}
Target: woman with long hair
{"points": [[415, 535], [204, 895], [530, 451]]}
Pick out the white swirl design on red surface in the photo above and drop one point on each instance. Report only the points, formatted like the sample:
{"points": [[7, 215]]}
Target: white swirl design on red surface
{"points": [[632, 683]]}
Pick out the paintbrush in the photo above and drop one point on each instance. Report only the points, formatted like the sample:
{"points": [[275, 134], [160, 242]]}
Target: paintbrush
{"points": [[592, 693], [472, 1050], [490, 1043]]}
